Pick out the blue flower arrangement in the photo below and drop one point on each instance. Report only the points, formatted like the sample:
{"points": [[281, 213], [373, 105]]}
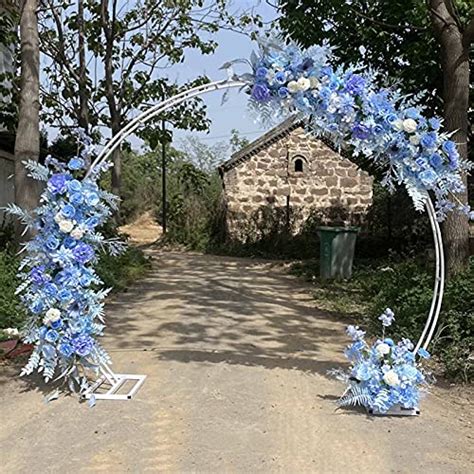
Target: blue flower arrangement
{"points": [[60, 287], [346, 105], [382, 375]]}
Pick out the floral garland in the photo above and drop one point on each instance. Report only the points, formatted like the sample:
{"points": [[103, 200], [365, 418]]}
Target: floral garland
{"points": [[384, 374], [60, 288], [350, 109]]}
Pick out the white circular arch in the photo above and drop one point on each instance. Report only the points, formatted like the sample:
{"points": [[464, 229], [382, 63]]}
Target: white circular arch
{"points": [[439, 282]]}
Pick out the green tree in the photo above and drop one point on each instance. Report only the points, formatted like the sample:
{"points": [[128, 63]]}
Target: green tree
{"points": [[108, 58], [417, 44]]}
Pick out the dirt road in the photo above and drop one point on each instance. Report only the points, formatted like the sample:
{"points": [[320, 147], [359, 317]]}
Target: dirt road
{"points": [[236, 355]]}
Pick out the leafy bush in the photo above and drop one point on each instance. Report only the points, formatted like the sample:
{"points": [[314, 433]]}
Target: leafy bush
{"points": [[120, 271], [12, 314]]}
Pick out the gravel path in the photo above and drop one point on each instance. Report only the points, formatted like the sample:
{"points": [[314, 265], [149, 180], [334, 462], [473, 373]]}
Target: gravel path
{"points": [[236, 355]]}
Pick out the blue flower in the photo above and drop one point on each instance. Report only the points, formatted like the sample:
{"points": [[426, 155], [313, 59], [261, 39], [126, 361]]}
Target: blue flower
{"points": [[435, 123], [283, 92], [428, 177], [92, 222], [51, 336], [260, 92], [261, 72], [280, 77], [57, 183], [37, 275], [51, 243], [76, 163], [428, 140], [361, 131], [74, 186], [355, 84], [64, 295], [66, 349], [48, 351], [58, 324], [355, 333], [436, 161], [449, 147], [76, 199], [91, 198], [83, 252], [37, 306], [68, 211], [82, 345], [423, 353]]}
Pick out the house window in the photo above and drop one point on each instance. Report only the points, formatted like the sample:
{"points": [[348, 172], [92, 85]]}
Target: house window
{"points": [[298, 163]]}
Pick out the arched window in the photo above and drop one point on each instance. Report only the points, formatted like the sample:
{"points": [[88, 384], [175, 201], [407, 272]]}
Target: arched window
{"points": [[298, 163]]}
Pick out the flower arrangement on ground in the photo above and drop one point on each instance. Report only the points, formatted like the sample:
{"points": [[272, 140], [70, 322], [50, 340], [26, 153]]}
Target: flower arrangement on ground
{"points": [[382, 375], [60, 289]]}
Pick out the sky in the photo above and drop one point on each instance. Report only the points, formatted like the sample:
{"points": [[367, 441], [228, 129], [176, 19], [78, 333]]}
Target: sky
{"points": [[233, 113]]}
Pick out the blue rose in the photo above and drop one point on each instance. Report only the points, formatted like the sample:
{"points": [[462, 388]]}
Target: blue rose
{"points": [[57, 183], [361, 131], [76, 163], [280, 77], [92, 222], [355, 84], [64, 295], [51, 336], [428, 140], [283, 92], [260, 92], [449, 147], [428, 177], [261, 72], [391, 118], [453, 161], [77, 199], [91, 198], [378, 129], [82, 345], [68, 211], [412, 113], [85, 279], [51, 243], [66, 349], [57, 324], [83, 252], [436, 161], [435, 123], [51, 289], [37, 306], [37, 275], [69, 242], [74, 186]]}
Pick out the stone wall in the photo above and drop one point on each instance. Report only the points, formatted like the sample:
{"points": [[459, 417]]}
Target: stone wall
{"points": [[267, 181], [7, 190]]}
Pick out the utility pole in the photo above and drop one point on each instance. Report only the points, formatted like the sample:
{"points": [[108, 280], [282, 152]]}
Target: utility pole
{"points": [[163, 176]]}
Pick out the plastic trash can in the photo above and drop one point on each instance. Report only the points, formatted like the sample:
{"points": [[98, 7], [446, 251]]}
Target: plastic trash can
{"points": [[337, 251]]}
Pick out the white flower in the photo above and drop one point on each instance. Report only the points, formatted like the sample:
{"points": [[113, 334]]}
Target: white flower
{"points": [[58, 218], [11, 332], [303, 83], [52, 315], [415, 139], [66, 225], [382, 349], [314, 82], [293, 87], [391, 378], [77, 233], [409, 125]]}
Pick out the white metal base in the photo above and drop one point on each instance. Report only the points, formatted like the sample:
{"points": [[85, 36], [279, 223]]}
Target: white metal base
{"points": [[397, 410], [115, 382]]}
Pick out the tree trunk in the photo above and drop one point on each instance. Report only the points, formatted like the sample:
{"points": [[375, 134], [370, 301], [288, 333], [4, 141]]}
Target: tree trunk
{"points": [[83, 94], [27, 143], [455, 66]]}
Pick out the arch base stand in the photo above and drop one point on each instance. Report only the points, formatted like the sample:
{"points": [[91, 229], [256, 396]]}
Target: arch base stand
{"points": [[397, 410], [114, 385]]}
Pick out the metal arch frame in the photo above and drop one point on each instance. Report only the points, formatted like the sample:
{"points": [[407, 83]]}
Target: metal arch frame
{"points": [[439, 282]]}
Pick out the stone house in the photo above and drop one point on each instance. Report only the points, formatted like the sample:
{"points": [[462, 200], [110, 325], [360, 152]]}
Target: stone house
{"points": [[290, 174]]}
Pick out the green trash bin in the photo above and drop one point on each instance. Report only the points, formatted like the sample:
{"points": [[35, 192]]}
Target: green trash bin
{"points": [[337, 251]]}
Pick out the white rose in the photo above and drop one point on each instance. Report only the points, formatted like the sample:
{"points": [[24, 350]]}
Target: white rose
{"points": [[66, 226], [77, 233], [303, 84], [293, 86], [409, 125], [314, 83], [52, 315], [58, 218], [391, 378], [383, 349], [415, 139]]}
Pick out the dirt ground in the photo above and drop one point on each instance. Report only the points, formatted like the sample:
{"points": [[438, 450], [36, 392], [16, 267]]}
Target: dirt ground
{"points": [[236, 354]]}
